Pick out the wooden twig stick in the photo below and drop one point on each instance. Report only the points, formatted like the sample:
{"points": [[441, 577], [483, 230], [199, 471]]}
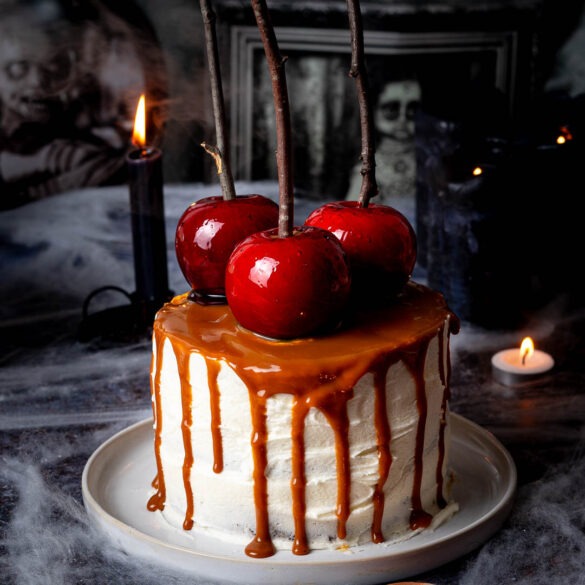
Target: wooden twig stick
{"points": [[220, 152], [369, 186], [282, 111]]}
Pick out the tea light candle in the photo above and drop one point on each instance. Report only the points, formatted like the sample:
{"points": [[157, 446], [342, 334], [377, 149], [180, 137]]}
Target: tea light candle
{"points": [[514, 367]]}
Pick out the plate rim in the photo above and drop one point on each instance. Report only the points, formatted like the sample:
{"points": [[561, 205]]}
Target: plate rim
{"points": [[485, 524]]}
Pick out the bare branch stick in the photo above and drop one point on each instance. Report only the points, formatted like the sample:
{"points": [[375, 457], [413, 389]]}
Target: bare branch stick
{"points": [[221, 150], [369, 186], [282, 111]]}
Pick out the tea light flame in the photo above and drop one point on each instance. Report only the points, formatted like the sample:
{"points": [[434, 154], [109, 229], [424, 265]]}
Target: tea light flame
{"points": [[139, 132], [526, 350], [564, 136]]}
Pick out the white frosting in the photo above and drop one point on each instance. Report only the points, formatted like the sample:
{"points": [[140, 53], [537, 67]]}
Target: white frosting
{"points": [[224, 502]]}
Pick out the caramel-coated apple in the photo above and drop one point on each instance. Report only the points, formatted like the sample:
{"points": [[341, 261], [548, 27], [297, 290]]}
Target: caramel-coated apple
{"points": [[288, 287], [379, 241], [208, 232]]}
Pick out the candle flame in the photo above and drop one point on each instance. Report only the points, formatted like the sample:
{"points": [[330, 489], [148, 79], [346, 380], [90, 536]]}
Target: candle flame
{"points": [[139, 132], [526, 349], [477, 171], [564, 135]]}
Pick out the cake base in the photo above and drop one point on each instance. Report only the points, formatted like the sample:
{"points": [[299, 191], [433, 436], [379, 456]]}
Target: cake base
{"points": [[117, 476], [346, 441]]}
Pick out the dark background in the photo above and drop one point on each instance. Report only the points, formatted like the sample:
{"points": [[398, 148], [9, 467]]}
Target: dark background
{"points": [[545, 77], [548, 59]]}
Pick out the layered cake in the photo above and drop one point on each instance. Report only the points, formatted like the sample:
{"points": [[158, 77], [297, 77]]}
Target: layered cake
{"points": [[321, 442]]}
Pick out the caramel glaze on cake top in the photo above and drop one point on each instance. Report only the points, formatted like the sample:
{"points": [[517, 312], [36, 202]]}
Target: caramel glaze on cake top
{"points": [[318, 372]]}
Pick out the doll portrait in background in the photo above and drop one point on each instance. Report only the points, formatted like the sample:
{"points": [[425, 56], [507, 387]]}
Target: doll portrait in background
{"points": [[70, 79], [394, 122]]}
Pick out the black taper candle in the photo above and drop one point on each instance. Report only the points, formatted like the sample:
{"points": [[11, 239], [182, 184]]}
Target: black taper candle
{"points": [[145, 179], [148, 226]]}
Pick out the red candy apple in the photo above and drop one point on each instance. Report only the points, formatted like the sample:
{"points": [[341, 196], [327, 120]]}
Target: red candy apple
{"points": [[379, 241], [287, 287], [209, 230], [289, 281]]}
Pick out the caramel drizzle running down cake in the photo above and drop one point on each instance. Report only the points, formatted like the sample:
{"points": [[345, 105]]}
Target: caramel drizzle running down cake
{"points": [[382, 345]]}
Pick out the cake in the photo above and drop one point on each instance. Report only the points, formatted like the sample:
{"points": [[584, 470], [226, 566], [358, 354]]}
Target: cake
{"points": [[329, 441]]}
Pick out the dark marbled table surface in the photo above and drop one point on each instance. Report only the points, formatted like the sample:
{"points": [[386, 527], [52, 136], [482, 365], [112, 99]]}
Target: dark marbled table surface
{"points": [[61, 398]]}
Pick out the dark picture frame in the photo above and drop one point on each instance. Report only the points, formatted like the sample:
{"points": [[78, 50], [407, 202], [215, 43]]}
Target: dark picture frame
{"points": [[326, 138]]}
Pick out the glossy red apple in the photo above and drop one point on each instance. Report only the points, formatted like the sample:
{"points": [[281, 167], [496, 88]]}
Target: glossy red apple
{"points": [[288, 287], [379, 241], [208, 232]]}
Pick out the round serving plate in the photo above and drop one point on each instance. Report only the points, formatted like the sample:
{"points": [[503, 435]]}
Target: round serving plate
{"points": [[116, 482]]}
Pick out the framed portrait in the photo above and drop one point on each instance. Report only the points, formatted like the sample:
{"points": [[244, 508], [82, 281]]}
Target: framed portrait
{"points": [[71, 75], [404, 69]]}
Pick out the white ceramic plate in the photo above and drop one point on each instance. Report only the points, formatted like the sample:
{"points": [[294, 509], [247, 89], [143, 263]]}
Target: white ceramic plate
{"points": [[117, 477]]}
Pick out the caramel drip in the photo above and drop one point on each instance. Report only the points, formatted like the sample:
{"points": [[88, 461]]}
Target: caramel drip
{"points": [[261, 546], [441, 362], [320, 373], [334, 407], [157, 501], [441, 502], [416, 363], [383, 438], [186, 423], [213, 368], [298, 479]]}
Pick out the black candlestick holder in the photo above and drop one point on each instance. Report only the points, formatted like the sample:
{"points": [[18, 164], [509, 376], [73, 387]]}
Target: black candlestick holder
{"points": [[123, 323]]}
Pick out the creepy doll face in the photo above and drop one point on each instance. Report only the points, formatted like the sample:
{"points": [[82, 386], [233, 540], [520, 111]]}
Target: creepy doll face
{"points": [[33, 73], [396, 108]]}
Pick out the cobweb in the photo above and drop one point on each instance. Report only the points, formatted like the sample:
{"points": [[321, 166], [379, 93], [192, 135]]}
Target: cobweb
{"points": [[51, 423]]}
